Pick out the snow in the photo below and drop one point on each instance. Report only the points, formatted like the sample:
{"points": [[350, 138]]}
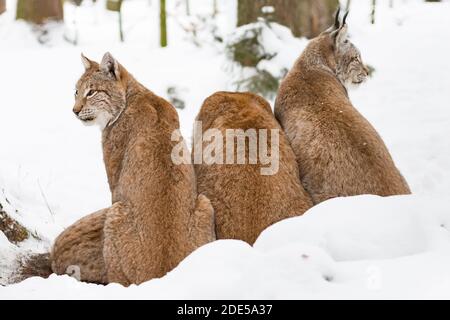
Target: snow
{"points": [[51, 169], [362, 247]]}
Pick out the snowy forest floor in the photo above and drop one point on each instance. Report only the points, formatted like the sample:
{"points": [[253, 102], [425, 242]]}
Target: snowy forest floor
{"points": [[52, 173]]}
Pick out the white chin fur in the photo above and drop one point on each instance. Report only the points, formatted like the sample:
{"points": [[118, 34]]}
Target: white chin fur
{"points": [[101, 120], [353, 86], [88, 123]]}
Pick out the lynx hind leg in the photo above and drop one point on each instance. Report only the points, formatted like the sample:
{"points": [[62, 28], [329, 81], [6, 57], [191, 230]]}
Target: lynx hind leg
{"points": [[202, 226], [78, 251], [126, 262]]}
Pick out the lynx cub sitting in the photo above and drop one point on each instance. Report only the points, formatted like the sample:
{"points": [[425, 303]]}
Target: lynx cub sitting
{"points": [[156, 219]]}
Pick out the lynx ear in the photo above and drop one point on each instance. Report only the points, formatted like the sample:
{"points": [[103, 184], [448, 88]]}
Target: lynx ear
{"points": [[110, 66], [86, 62], [341, 32], [341, 35]]}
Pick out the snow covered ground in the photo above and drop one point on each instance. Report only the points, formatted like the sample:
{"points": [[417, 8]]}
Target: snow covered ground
{"points": [[51, 169]]}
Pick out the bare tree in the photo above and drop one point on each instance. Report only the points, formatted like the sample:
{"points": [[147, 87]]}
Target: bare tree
{"points": [[40, 11], [116, 6], [304, 17], [374, 8], [188, 7], [215, 8], [163, 23]]}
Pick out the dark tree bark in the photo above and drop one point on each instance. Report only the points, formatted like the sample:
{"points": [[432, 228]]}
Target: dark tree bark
{"points": [[40, 11], [2, 6], [304, 17]]}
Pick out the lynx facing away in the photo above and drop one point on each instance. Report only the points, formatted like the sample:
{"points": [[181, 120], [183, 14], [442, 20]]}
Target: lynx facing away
{"points": [[245, 201], [156, 219], [338, 152]]}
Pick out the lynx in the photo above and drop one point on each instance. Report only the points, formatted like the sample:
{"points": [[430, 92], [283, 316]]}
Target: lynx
{"points": [[156, 218], [338, 151], [244, 199]]}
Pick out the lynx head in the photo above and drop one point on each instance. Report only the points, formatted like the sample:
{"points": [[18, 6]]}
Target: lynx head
{"points": [[100, 92], [341, 55]]}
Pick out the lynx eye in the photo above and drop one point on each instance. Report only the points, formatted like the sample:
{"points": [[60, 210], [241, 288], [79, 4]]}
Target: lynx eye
{"points": [[91, 93], [76, 93]]}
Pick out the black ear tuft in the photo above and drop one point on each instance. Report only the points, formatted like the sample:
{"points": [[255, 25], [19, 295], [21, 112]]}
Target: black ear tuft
{"points": [[344, 21], [337, 22], [339, 35]]}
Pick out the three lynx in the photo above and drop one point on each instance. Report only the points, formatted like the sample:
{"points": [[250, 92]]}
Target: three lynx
{"points": [[338, 151], [327, 150], [156, 219]]}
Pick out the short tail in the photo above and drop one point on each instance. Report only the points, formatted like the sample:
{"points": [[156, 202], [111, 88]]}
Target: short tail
{"points": [[203, 227], [38, 265]]}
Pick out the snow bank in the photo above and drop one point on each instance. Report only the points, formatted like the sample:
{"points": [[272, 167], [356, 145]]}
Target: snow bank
{"points": [[367, 227], [360, 247]]}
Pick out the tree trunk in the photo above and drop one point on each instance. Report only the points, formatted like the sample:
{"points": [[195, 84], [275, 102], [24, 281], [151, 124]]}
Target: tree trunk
{"points": [[215, 8], [374, 10], [188, 7], [120, 22], [163, 23], [121, 26], [304, 17], [40, 11], [2, 6], [116, 6]]}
